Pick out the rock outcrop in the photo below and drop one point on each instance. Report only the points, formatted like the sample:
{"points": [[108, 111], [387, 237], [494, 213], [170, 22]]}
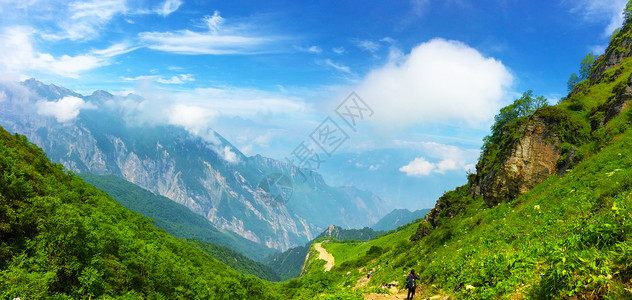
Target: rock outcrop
{"points": [[529, 161]]}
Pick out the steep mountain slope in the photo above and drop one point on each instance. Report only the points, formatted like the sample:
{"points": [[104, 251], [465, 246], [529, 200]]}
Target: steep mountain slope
{"points": [[208, 175], [174, 218], [548, 215], [180, 222], [64, 239], [399, 217]]}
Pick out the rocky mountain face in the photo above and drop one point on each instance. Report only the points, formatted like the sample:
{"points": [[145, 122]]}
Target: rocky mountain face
{"points": [[185, 168], [531, 159]]}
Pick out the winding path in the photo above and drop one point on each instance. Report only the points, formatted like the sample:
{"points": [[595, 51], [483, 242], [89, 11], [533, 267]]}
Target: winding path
{"points": [[324, 255]]}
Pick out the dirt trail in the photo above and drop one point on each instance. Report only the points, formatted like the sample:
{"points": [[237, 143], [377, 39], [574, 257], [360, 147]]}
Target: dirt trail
{"points": [[324, 255], [401, 294]]}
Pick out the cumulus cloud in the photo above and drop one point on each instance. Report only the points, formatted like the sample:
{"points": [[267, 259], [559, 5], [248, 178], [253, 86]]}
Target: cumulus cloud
{"points": [[418, 167], [64, 109], [444, 158], [193, 118], [421, 167], [439, 82]]}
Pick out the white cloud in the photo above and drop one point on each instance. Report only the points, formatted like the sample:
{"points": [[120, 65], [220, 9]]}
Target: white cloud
{"points": [[168, 7], [84, 20], [193, 118], [338, 50], [439, 82], [367, 45], [177, 79], [189, 42], [229, 155], [339, 67], [449, 157], [115, 50], [610, 12], [214, 22], [17, 54], [217, 40], [418, 167], [64, 109], [312, 49]]}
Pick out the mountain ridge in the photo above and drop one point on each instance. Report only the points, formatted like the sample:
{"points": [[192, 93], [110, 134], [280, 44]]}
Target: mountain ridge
{"points": [[190, 170]]}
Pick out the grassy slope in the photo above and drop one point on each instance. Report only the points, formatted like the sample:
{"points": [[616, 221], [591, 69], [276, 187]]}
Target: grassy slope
{"points": [[568, 237], [62, 238]]}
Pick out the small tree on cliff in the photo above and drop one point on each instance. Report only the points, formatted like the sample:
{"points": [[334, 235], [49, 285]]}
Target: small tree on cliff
{"points": [[522, 107]]}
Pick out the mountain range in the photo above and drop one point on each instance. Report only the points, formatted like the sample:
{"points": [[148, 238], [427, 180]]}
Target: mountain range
{"points": [[203, 172]]}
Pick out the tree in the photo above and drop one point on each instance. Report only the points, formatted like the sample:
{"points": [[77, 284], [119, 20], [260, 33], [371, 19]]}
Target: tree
{"points": [[521, 107], [585, 68]]}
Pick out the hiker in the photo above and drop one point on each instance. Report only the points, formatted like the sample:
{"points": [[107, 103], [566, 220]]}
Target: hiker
{"points": [[387, 263], [410, 284]]}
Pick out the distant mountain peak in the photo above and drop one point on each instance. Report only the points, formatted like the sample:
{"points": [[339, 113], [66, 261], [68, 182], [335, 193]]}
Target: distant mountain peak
{"points": [[101, 94], [50, 92]]}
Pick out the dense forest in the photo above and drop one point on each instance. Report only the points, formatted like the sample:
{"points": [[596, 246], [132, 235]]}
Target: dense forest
{"points": [[64, 239]]}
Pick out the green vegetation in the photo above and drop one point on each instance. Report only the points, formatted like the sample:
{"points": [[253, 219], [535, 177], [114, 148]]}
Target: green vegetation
{"points": [[505, 130], [64, 239], [290, 263], [339, 233], [236, 260], [179, 221], [568, 238], [585, 68]]}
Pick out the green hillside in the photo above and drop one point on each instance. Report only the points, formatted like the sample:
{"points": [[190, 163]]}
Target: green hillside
{"points": [[64, 239], [568, 237], [175, 218]]}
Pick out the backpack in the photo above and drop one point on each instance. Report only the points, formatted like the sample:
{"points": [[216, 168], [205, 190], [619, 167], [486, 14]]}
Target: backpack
{"points": [[410, 282]]}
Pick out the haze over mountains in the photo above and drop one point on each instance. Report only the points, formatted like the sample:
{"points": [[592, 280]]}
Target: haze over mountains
{"points": [[205, 173]]}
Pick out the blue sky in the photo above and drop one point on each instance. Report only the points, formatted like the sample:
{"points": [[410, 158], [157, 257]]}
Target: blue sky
{"points": [[266, 74]]}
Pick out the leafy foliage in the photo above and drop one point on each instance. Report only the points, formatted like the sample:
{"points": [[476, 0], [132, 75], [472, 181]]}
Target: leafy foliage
{"points": [[62, 238], [181, 222], [586, 66]]}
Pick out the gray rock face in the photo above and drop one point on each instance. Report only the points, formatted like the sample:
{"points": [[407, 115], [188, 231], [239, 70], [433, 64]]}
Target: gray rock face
{"points": [[187, 169]]}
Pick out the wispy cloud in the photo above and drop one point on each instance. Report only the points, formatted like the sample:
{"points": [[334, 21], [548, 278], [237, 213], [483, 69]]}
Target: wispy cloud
{"points": [[17, 54], [609, 12], [218, 39], [84, 20], [338, 50], [175, 79], [339, 67], [367, 45], [312, 49], [168, 7]]}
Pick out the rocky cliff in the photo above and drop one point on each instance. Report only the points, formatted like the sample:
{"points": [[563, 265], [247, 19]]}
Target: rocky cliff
{"points": [[528, 161]]}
